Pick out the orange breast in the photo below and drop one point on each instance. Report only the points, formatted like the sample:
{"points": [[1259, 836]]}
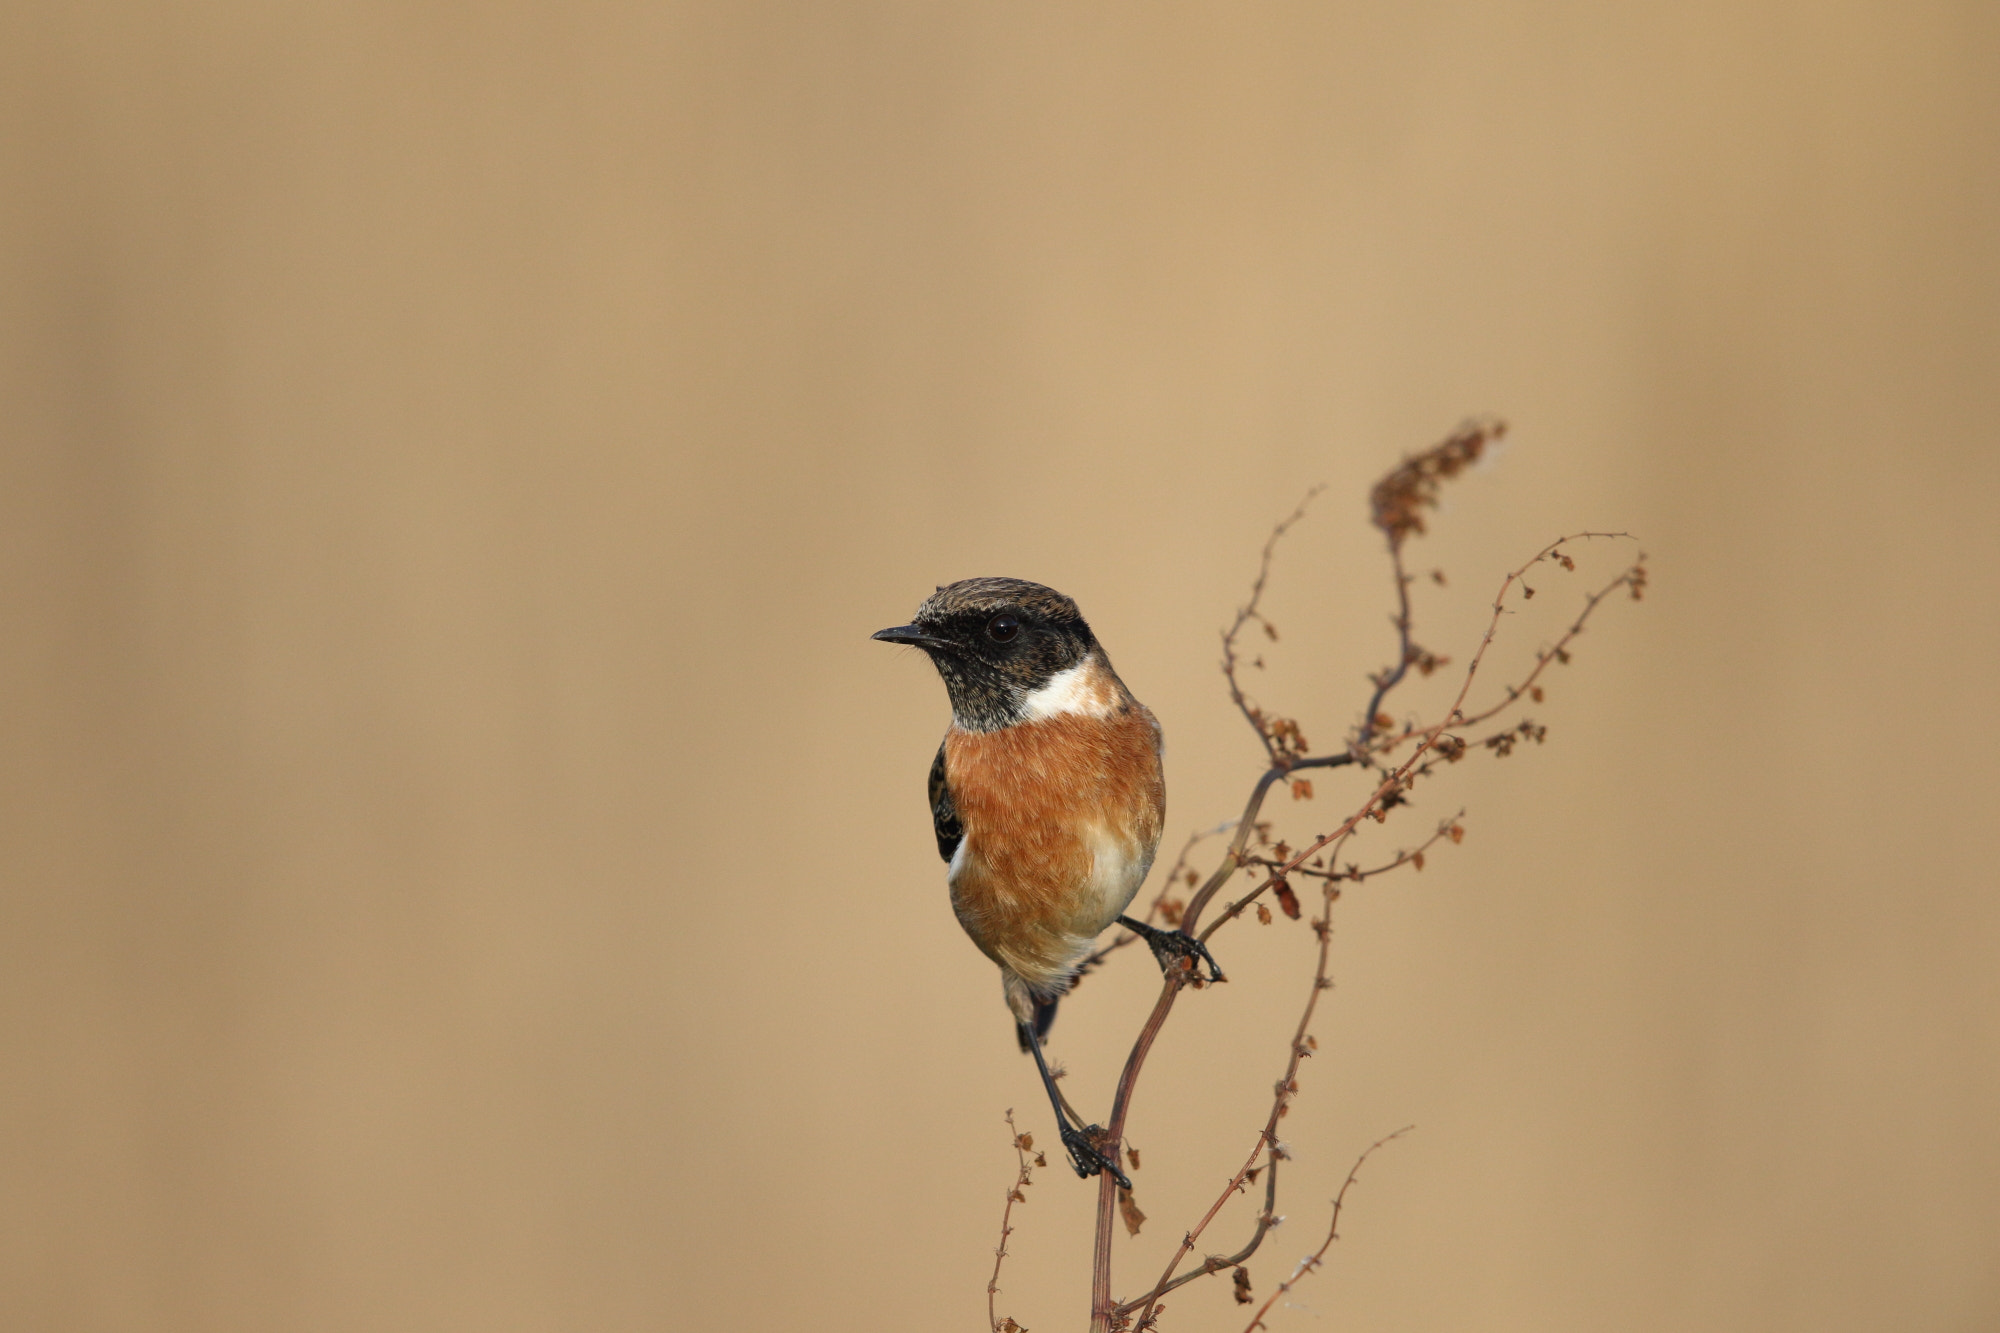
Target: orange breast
{"points": [[1061, 817]]}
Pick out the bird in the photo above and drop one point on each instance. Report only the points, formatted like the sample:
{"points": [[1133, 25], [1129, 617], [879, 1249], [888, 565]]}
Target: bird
{"points": [[1047, 797]]}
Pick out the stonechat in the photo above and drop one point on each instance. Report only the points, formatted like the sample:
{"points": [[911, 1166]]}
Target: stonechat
{"points": [[1046, 797]]}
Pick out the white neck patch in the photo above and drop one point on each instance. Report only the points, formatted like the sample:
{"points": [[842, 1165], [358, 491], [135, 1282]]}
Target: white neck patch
{"points": [[1080, 690]]}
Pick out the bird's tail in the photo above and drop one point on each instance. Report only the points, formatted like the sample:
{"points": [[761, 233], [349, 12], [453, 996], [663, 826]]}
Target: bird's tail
{"points": [[1045, 1018]]}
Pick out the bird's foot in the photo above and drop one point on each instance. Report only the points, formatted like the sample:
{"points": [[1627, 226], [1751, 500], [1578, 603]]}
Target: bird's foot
{"points": [[1088, 1158], [1171, 946]]}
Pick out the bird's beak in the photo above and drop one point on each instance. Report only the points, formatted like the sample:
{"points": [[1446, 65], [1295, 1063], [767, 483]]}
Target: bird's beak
{"points": [[911, 635]]}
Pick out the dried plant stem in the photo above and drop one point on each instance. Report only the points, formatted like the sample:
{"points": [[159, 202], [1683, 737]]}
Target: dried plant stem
{"points": [[1397, 507], [1396, 757], [1427, 738], [1014, 1196], [1267, 1140], [1121, 1106], [1395, 781], [1390, 677], [1216, 1263], [1253, 610], [1103, 1310], [1353, 876], [1632, 576], [1312, 1261]]}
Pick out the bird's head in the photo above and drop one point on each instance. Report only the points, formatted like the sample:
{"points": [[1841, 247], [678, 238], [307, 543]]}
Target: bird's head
{"points": [[1009, 650]]}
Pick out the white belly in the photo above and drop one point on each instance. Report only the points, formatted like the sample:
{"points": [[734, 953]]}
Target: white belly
{"points": [[1117, 871]]}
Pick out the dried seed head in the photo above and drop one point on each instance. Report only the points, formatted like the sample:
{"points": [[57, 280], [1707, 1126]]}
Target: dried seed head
{"points": [[1398, 501]]}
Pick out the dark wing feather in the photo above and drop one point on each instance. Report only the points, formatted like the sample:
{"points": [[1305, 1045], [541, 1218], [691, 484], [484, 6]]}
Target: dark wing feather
{"points": [[944, 815]]}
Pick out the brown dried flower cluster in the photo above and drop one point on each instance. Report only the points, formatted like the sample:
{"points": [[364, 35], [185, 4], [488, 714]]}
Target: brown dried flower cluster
{"points": [[1398, 501]]}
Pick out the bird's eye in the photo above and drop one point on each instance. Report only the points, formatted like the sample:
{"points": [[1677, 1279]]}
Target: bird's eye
{"points": [[1002, 629]]}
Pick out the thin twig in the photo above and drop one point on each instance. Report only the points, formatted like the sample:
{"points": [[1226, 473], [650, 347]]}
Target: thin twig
{"points": [[1275, 746], [1634, 575], [1312, 1261], [1390, 677], [1449, 828], [1022, 1143], [1215, 1263]]}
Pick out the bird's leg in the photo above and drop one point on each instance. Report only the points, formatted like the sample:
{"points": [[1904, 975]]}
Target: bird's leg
{"points": [[1084, 1154], [1170, 946]]}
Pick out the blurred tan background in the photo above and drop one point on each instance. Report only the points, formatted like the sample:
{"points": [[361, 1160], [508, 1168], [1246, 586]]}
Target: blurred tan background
{"points": [[466, 866]]}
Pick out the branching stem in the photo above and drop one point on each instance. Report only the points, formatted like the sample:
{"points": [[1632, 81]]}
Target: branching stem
{"points": [[1104, 1310], [1312, 1261], [1398, 504]]}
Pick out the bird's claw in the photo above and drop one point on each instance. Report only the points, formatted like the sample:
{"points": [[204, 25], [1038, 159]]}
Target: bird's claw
{"points": [[1171, 946], [1088, 1158]]}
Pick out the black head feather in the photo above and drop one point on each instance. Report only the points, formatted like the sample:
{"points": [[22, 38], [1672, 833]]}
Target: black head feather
{"points": [[996, 641]]}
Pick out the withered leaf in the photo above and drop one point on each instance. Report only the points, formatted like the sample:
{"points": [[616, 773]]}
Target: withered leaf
{"points": [[1535, 693], [1017, 1196], [1132, 1156], [1417, 860], [1456, 833], [1263, 915], [1526, 591], [1243, 1296], [1129, 1210], [1287, 900], [1302, 789], [1025, 1142]]}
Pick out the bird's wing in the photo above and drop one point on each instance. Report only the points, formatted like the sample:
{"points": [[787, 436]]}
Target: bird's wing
{"points": [[944, 814]]}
